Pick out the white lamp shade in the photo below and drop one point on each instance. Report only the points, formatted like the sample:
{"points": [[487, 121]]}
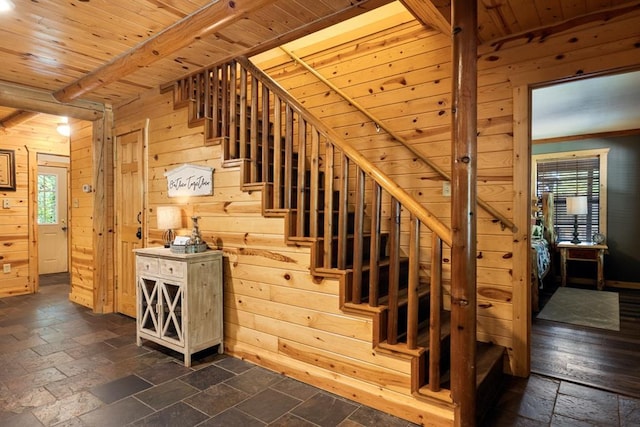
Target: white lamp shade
{"points": [[577, 205], [169, 217]]}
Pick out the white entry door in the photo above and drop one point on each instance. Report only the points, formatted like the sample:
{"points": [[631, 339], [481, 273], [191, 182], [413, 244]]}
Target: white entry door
{"points": [[52, 220]]}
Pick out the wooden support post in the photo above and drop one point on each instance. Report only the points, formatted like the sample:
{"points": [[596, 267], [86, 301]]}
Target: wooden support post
{"points": [[103, 214], [463, 213]]}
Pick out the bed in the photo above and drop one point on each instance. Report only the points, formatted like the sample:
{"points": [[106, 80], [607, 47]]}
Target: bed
{"points": [[542, 241]]}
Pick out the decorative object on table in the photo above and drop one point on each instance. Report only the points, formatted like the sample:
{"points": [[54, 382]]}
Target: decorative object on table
{"points": [[598, 238], [196, 238], [576, 206], [169, 218], [190, 245]]}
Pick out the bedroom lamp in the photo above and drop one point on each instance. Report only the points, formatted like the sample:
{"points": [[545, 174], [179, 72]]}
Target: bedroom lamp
{"points": [[169, 218], [576, 206]]}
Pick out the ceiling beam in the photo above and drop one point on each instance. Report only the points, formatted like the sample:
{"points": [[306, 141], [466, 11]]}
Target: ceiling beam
{"points": [[39, 101], [15, 119], [427, 13], [211, 18]]}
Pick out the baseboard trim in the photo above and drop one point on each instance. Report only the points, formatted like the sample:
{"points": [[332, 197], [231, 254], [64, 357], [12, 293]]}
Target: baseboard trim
{"points": [[624, 285]]}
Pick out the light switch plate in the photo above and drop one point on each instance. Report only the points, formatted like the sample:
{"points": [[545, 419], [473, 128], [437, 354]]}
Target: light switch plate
{"points": [[6, 204], [446, 189], [6, 268]]}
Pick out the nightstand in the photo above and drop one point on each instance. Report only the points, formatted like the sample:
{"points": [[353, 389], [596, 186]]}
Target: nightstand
{"points": [[589, 252]]}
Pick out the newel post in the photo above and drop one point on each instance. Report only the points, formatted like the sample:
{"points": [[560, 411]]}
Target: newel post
{"points": [[464, 17]]}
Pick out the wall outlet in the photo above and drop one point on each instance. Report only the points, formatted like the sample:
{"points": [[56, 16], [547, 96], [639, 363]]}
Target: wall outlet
{"points": [[446, 189], [6, 268], [6, 204]]}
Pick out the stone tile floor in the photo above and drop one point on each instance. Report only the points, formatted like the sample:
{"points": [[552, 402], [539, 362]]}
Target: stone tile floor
{"points": [[61, 365]]}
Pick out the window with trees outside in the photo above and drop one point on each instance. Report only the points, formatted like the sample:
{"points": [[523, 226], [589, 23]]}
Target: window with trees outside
{"points": [[576, 173], [47, 199]]}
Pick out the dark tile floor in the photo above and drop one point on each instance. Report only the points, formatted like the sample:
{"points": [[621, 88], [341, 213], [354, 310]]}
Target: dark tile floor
{"points": [[62, 365]]}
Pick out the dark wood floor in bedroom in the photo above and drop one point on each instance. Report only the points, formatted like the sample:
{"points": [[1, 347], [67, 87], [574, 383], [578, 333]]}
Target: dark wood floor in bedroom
{"points": [[594, 357]]}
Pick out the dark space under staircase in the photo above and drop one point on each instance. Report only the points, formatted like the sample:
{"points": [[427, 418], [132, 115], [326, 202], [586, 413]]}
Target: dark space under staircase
{"points": [[385, 248]]}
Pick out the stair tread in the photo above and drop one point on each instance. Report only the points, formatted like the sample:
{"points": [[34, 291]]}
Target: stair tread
{"points": [[488, 357], [423, 290], [423, 339]]}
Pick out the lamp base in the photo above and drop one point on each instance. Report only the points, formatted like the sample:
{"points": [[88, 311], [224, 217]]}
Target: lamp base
{"points": [[575, 240], [167, 238]]}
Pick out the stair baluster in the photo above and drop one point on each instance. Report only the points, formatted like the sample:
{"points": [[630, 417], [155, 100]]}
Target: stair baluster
{"points": [[374, 249], [358, 239], [435, 323]]}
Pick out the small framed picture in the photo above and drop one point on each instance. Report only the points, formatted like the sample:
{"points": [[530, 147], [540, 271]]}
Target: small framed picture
{"points": [[7, 170]]}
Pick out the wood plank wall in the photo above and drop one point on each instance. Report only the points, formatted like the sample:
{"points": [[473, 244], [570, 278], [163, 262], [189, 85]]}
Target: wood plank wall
{"points": [[83, 261], [26, 140]]}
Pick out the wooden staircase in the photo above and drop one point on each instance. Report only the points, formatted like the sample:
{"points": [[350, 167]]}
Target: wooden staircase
{"points": [[384, 247]]}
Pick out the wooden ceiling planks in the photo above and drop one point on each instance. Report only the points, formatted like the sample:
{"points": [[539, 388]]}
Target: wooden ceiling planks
{"points": [[525, 14]]}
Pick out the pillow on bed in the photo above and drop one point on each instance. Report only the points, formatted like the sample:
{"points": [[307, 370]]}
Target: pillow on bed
{"points": [[536, 232]]}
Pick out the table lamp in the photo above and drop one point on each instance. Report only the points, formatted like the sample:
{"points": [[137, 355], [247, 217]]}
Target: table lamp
{"points": [[169, 218], [576, 206]]}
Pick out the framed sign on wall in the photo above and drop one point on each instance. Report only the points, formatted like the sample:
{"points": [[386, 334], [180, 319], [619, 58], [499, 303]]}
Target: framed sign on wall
{"points": [[190, 180], [7, 170]]}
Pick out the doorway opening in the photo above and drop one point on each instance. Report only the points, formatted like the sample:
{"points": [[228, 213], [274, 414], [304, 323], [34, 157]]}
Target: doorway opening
{"points": [[52, 188], [585, 143]]}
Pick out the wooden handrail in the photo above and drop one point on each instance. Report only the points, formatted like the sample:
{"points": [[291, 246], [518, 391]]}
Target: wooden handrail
{"points": [[413, 206], [379, 123]]}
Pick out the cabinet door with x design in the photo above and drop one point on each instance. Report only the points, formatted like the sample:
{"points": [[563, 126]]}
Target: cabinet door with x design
{"points": [[161, 309]]}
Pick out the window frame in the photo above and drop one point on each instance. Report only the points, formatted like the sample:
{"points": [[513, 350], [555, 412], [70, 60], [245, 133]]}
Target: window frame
{"points": [[55, 191], [601, 153]]}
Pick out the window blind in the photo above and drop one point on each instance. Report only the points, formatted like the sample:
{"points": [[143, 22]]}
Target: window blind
{"points": [[568, 178]]}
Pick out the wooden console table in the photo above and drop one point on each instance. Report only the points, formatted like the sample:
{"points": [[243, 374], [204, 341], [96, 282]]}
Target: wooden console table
{"points": [[582, 252]]}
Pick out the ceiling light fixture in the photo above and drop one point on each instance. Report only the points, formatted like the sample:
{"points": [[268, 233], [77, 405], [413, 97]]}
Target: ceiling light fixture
{"points": [[6, 5], [63, 127]]}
